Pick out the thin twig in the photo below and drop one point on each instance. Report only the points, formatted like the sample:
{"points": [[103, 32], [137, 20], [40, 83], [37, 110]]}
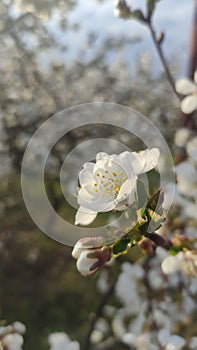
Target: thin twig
{"points": [[98, 314], [162, 57]]}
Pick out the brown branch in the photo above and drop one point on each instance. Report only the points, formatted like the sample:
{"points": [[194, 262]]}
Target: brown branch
{"points": [[162, 57], [193, 46], [97, 315]]}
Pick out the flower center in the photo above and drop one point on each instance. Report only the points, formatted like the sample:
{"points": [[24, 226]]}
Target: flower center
{"points": [[109, 183]]}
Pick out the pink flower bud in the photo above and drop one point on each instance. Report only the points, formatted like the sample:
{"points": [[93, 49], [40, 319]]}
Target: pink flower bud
{"points": [[91, 260], [87, 243]]}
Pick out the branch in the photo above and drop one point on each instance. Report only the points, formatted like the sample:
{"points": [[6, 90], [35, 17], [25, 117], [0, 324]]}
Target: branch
{"points": [[97, 315], [162, 57]]}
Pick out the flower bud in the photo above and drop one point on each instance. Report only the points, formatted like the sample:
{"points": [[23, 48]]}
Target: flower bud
{"points": [[121, 9], [86, 243], [147, 246], [91, 261]]}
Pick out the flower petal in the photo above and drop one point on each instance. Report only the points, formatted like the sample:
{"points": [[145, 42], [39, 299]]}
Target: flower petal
{"points": [[84, 216], [185, 86], [86, 174], [189, 104], [170, 264], [84, 263], [126, 195], [145, 160], [195, 76], [99, 203]]}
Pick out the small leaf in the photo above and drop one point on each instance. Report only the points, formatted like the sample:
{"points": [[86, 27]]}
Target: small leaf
{"points": [[121, 247], [137, 14], [174, 250]]}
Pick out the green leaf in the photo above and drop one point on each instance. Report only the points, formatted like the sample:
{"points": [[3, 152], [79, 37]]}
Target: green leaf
{"points": [[174, 250], [121, 247]]}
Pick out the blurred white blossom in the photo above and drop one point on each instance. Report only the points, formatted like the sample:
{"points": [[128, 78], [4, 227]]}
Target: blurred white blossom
{"points": [[170, 342], [61, 341], [189, 89], [126, 286], [183, 261], [192, 149], [13, 341], [181, 137], [193, 343]]}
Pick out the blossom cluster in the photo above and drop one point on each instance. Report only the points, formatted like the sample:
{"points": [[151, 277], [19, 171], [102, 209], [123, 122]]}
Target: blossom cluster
{"points": [[11, 336], [109, 184]]}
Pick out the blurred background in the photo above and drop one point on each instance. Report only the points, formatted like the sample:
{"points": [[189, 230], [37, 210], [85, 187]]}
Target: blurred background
{"points": [[53, 55]]}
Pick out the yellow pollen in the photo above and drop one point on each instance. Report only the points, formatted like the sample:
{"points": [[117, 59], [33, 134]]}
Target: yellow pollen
{"points": [[106, 172], [95, 190], [124, 178], [114, 173], [103, 176], [121, 173], [117, 189], [97, 174], [95, 185]]}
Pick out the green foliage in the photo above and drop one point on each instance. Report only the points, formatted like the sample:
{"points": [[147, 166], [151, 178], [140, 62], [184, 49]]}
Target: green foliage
{"points": [[121, 246]]}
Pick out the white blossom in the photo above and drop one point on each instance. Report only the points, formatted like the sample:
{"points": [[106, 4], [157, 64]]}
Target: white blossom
{"points": [[110, 183], [19, 327], [140, 342], [189, 89], [187, 179], [193, 343], [126, 286], [181, 137], [13, 341], [170, 342], [183, 261], [171, 264], [61, 341], [192, 149]]}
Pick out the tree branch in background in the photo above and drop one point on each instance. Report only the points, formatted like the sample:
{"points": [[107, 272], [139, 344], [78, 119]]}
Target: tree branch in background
{"points": [[193, 46], [158, 47], [98, 314]]}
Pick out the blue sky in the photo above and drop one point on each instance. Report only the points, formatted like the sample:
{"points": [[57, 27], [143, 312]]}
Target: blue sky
{"points": [[174, 17]]}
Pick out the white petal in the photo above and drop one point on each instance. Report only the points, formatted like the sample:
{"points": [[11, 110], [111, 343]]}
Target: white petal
{"points": [[87, 193], [195, 76], [163, 336], [84, 263], [99, 203], [126, 195], [189, 104], [86, 174], [170, 265], [185, 86], [146, 160], [101, 155], [84, 216], [13, 341], [176, 343]]}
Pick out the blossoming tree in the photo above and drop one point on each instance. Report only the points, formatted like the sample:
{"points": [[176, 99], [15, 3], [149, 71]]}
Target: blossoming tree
{"points": [[145, 261]]}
